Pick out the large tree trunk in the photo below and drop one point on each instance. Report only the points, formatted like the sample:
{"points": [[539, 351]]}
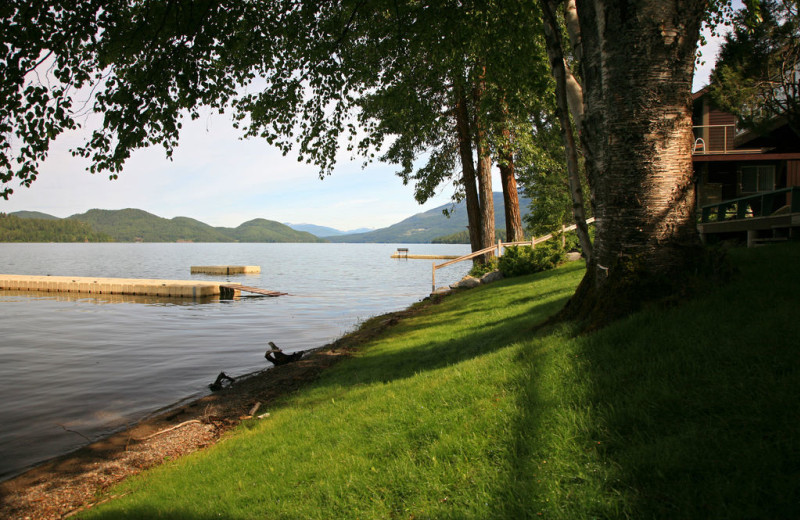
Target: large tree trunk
{"points": [[484, 173], [474, 217], [561, 73], [638, 59], [514, 231], [486, 195]]}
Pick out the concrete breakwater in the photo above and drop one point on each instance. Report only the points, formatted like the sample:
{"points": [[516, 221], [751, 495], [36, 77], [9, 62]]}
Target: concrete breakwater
{"points": [[132, 286]]}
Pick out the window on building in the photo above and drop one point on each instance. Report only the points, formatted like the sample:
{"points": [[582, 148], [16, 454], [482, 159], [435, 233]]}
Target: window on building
{"points": [[758, 178]]}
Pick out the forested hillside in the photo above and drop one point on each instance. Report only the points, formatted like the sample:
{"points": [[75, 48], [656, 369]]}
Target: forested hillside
{"points": [[462, 237], [262, 230], [135, 225], [33, 214], [128, 225], [424, 227], [16, 229]]}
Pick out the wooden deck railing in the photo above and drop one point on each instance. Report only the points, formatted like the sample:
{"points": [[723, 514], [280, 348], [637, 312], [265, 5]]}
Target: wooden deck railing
{"points": [[499, 248], [757, 205]]}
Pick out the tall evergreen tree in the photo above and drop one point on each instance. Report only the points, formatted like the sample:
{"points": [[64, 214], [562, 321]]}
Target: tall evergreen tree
{"points": [[757, 75]]}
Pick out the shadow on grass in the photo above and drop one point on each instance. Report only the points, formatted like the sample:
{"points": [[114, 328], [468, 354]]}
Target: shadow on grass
{"points": [[421, 342], [691, 412], [466, 339]]}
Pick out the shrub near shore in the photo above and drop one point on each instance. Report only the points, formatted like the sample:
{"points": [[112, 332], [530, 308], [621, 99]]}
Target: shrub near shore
{"points": [[464, 411]]}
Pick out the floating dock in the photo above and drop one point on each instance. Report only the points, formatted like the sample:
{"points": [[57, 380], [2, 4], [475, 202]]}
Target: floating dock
{"points": [[131, 286], [255, 290], [226, 269], [424, 257]]}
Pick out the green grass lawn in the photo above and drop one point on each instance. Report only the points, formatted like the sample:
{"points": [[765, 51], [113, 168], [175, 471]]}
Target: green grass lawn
{"points": [[464, 410]]}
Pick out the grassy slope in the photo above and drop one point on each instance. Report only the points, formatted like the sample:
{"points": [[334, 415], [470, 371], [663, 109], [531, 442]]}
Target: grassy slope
{"points": [[462, 412]]}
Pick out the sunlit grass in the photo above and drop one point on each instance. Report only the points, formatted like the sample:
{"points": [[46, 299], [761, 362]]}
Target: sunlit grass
{"points": [[463, 411]]}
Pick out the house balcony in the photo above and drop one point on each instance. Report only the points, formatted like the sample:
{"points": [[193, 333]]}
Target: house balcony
{"points": [[718, 140]]}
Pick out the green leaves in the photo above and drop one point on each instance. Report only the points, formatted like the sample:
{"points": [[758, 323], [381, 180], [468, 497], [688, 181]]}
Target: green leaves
{"points": [[756, 77], [374, 78], [46, 54]]}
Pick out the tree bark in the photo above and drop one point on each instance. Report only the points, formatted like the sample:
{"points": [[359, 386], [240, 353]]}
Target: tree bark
{"points": [[573, 28], [484, 174], [474, 217], [486, 195], [559, 67], [638, 59], [574, 89], [514, 231]]}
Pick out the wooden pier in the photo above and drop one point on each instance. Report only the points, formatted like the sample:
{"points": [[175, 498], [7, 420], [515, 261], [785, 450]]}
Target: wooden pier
{"points": [[225, 269], [130, 286], [424, 257], [237, 288]]}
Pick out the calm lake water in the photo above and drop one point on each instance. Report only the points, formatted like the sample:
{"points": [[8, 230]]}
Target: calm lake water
{"points": [[93, 366]]}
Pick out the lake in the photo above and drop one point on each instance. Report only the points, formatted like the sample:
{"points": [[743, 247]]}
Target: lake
{"points": [[76, 368]]}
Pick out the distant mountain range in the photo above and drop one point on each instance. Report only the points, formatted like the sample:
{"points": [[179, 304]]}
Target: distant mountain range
{"points": [[133, 225], [34, 214], [324, 231], [422, 228]]}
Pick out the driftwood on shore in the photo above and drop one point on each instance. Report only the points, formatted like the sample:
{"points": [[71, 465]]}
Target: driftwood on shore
{"points": [[276, 356], [222, 381]]}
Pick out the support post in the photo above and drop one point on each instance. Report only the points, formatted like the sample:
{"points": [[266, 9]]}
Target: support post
{"points": [[433, 278], [499, 248], [751, 237]]}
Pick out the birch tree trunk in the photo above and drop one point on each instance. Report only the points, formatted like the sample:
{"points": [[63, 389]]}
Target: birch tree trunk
{"points": [[573, 87], [561, 73], [637, 64]]}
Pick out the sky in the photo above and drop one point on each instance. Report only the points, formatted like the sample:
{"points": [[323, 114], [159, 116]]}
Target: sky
{"points": [[222, 180]]}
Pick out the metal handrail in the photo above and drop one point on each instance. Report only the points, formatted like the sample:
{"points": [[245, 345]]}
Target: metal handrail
{"points": [[500, 245]]}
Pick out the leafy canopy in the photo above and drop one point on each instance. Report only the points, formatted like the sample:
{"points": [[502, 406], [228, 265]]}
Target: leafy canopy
{"points": [[319, 77], [757, 77]]}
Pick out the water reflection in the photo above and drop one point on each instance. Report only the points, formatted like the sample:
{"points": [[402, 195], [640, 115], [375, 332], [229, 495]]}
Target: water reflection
{"points": [[100, 299], [68, 360]]}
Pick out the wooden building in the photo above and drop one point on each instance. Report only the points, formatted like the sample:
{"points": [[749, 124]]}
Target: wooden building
{"points": [[741, 174]]}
